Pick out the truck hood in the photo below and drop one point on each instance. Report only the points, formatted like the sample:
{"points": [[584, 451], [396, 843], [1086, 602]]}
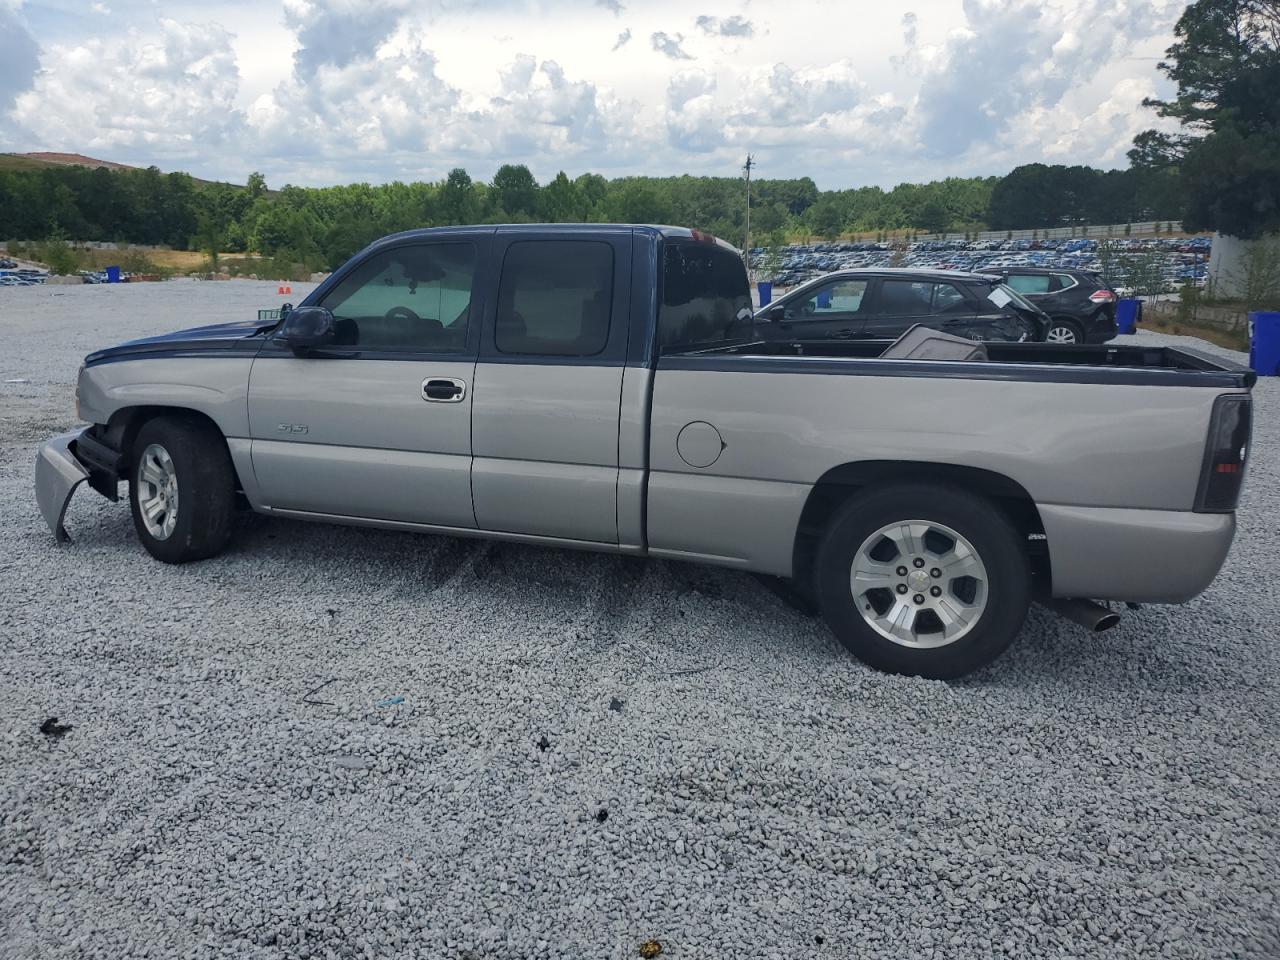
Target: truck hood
{"points": [[219, 339]]}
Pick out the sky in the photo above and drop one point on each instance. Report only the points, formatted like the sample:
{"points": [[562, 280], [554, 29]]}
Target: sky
{"points": [[316, 92]]}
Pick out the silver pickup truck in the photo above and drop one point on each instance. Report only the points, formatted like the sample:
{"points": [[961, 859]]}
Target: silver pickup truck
{"points": [[598, 387]]}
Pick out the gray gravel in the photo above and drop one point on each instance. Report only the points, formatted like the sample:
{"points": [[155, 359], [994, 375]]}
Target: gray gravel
{"points": [[765, 794]]}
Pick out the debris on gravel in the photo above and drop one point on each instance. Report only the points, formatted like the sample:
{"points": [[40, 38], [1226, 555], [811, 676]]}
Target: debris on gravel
{"points": [[234, 787]]}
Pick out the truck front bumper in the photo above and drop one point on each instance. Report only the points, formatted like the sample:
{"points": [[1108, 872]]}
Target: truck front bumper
{"points": [[1144, 556], [66, 461], [58, 473]]}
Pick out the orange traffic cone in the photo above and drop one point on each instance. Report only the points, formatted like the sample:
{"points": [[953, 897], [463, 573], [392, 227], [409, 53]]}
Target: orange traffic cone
{"points": [[283, 289]]}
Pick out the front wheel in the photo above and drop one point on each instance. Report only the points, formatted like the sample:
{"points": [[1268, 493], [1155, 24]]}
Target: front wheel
{"points": [[923, 580], [181, 489]]}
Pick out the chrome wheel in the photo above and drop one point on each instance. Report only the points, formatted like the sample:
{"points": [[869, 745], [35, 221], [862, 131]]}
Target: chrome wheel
{"points": [[1059, 334], [157, 492], [919, 584]]}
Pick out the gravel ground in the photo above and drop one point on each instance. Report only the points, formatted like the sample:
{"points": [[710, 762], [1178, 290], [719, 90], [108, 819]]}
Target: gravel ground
{"points": [[591, 752]]}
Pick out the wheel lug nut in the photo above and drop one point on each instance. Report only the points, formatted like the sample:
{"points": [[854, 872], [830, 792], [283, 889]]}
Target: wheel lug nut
{"points": [[902, 588], [935, 591], [935, 573], [918, 598], [902, 571], [918, 561]]}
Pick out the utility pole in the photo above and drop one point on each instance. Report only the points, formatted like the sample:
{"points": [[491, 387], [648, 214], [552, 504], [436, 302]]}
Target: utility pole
{"points": [[746, 249]]}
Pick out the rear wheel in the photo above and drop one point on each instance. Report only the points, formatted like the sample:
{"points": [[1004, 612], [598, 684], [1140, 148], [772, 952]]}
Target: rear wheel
{"points": [[923, 580], [1062, 330], [181, 489]]}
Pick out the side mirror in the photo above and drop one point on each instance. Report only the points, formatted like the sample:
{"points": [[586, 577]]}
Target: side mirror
{"points": [[307, 328], [776, 314]]}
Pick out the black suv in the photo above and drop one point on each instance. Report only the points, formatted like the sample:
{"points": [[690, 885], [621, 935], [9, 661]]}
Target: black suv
{"points": [[882, 304], [1081, 306]]}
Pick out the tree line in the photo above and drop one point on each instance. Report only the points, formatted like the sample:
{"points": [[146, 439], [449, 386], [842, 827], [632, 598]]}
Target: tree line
{"points": [[322, 226]]}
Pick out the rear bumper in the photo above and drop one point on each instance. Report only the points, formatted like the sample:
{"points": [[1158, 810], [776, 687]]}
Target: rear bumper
{"points": [[1145, 556], [58, 473]]}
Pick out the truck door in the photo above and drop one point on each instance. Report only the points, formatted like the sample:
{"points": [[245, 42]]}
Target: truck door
{"points": [[379, 425], [548, 383]]}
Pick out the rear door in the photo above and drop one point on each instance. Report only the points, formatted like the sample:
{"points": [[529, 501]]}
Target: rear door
{"points": [[1042, 289], [833, 310], [896, 306], [548, 382]]}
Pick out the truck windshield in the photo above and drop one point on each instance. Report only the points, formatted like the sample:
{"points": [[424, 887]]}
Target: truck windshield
{"points": [[706, 299]]}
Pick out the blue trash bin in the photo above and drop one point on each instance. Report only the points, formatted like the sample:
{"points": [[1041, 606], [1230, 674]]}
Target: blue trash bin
{"points": [[1128, 313], [113, 274], [766, 292], [824, 300], [1264, 343]]}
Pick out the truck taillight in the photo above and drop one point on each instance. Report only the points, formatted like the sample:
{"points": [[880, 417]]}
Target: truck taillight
{"points": [[1102, 296], [1225, 454]]}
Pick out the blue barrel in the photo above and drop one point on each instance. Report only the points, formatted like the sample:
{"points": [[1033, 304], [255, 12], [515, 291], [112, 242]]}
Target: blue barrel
{"points": [[113, 274], [1128, 313], [766, 292], [1264, 343]]}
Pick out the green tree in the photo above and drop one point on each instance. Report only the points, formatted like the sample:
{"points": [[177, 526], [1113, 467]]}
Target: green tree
{"points": [[1225, 63], [560, 200], [932, 217], [516, 191], [458, 202]]}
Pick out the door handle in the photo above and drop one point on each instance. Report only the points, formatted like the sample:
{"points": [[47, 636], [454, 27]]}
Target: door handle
{"points": [[443, 390]]}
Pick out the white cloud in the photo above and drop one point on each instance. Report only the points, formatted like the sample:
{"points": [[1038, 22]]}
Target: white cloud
{"points": [[337, 90], [735, 26], [669, 45], [19, 56], [168, 95]]}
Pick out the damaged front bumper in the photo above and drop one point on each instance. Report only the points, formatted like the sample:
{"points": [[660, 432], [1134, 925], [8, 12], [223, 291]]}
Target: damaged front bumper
{"points": [[62, 464]]}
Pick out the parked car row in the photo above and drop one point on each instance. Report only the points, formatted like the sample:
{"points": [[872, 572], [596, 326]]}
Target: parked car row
{"points": [[1182, 259]]}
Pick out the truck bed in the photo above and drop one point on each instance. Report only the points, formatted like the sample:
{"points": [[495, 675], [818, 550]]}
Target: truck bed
{"points": [[1058, 363]]}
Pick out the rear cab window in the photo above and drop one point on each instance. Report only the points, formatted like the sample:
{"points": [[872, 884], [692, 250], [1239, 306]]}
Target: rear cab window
{"points": [[555, 298], [705, 296]]}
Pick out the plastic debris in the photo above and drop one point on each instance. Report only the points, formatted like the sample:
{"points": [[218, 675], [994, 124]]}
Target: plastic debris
{"points": [[391, 701], [650, 949], [52, 728]]}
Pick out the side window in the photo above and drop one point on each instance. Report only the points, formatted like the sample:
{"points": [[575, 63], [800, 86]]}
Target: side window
{"points": [[1029, 282], [1065, 281], [839, 298], [412, 298], [905, 298], [555, 298], [947, 298]]}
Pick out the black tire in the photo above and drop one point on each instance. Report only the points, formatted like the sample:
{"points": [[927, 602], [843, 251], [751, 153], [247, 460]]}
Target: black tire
{"points": [[1063, 323], [991, 535], [205, 485]]}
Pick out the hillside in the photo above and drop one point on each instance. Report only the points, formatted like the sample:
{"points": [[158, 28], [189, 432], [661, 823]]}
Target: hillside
{"points": [[34, 161]]}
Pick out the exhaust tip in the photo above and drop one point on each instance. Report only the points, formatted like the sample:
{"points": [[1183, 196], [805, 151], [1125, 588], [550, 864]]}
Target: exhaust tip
{"points": [[1093, 616], [1105, 623]]}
